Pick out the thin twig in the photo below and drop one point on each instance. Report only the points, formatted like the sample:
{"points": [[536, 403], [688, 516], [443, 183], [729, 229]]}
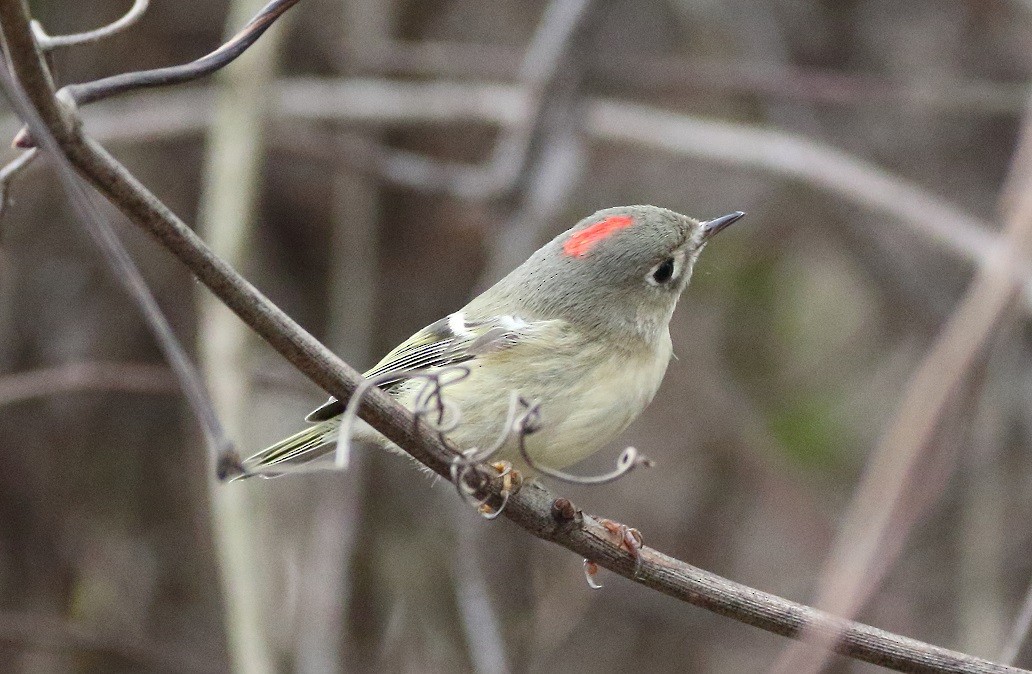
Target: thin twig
{"points": [[90, 92], [530, 421], [50, 42], [531, 507]]}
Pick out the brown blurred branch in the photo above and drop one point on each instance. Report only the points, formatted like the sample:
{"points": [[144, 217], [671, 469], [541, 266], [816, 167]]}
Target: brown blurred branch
{"points": [[95, 376], [382, 102], [651, 75], [532, 507]]}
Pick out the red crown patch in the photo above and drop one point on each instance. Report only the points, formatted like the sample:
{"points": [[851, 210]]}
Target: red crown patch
{"points": [[581, 242]]}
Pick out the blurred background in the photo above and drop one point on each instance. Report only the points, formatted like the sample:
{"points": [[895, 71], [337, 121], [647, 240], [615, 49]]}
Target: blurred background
{"points": [[374, 163]]}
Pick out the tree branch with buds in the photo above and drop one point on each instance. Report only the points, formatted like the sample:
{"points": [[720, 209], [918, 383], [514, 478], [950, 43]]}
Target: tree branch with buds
{"points": [[534, 508]]}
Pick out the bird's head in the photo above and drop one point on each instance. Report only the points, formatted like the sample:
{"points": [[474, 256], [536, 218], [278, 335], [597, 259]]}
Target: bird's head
{"points": [[621, 268]]}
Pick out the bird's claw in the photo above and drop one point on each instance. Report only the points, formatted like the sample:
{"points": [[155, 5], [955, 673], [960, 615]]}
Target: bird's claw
{"points": [[628, 538], [511, 479]]}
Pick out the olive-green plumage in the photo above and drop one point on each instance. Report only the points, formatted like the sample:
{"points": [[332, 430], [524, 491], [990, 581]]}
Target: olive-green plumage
{"points": [[581, 327]]}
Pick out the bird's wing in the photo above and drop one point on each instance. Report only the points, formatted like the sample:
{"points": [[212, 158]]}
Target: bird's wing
{"points": [[453, 339]]}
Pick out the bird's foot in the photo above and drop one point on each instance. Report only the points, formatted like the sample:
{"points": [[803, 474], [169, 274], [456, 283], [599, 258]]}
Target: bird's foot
{"points": [[511, 480], [627, 538]]}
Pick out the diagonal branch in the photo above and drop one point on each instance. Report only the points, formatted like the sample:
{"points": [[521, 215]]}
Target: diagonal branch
{"points": [[531, 507]]}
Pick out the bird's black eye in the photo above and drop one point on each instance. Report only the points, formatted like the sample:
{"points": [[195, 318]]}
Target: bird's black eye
{"points": [[663, 272]]}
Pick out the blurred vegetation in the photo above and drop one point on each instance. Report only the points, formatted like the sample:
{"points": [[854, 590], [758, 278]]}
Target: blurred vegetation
{"points": [[793, 342]]}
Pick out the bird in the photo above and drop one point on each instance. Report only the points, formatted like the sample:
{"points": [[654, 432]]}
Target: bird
{"points": [[581, 328]]}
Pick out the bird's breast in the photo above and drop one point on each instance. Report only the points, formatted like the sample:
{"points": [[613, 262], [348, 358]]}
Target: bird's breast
{"points": [[597, 407]]}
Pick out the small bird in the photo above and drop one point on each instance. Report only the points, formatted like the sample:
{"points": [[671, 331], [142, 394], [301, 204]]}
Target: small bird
{"points": [[581, 327]]}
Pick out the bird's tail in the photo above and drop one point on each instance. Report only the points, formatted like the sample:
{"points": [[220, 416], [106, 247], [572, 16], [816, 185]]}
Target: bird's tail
{"points": [[290, 453]]}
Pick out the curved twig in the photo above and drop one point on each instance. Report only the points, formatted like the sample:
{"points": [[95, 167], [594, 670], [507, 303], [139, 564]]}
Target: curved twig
{"points": [[89, 92], [529, 422], [50, 42]]}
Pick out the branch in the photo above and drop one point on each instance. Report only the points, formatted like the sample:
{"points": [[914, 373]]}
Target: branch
{"points": [[97, 376], [534, 508], [655, 74]]}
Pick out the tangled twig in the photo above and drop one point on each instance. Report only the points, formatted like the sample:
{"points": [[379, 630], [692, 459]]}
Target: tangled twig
{"points": [[429, 398]]}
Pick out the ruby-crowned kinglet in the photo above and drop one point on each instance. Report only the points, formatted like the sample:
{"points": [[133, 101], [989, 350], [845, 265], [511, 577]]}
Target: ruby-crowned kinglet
{"points": [[582, 327]]}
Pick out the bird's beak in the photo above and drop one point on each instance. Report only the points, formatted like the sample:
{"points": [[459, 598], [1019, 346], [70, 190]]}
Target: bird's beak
{"points": [[711, 227]]}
